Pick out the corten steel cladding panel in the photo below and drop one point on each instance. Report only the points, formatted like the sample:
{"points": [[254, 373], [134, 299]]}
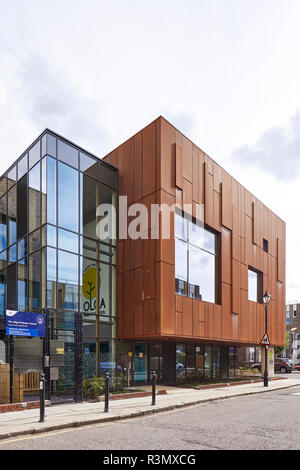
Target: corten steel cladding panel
{"points": [[160, 165]]}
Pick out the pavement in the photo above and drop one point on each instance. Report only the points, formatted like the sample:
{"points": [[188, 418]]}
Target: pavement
{"points": [[71, 415]]}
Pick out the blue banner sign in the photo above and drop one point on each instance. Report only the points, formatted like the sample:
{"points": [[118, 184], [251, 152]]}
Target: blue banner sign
{"points": [[25, 323]]}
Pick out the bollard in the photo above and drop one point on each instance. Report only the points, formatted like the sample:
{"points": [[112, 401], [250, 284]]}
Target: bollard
{"points": [[106, 392], [42, 398], [153, 388]]}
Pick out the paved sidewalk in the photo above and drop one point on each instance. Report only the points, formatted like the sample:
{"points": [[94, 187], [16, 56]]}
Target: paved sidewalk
{"points": [[79, 414]]}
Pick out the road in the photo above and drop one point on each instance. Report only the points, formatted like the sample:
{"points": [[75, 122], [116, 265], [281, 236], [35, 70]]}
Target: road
{"points": [[263, 421]]}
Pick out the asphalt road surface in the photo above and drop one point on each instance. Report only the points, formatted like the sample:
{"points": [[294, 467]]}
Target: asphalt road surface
{"points": [[263, 421]]}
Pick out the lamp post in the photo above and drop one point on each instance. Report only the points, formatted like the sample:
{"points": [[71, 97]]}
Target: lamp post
{"points": [[266, 300]]}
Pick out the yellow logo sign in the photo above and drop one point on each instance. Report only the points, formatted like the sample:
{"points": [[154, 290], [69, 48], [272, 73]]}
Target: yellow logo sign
{"points": [[89, 282]]}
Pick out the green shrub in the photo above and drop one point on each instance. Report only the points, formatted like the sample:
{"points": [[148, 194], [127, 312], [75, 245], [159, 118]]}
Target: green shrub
{"points": [[93, 387]]}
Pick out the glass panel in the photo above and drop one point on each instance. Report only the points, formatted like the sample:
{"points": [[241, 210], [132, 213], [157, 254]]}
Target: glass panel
{"points": [[107, 253], [12, 177], [107, 327], [208, 362], [51, 277], [12, 212], [140, 362], [67, 281], [107, 357], [252, 285], [49, 190], [49, 145], [180, 363], [67, 153], [89, 326], [232, 362], [88, 165], [2, 294], [107, 289], [3, 185], [34, 198], [201, 274], [62, 320], [209, 241], [12, 253], [22, 167], [201, 237], [34, 277], [34, 241], [88, 286], [22, 287], [180, 226], [67, 240], [88, 247], [180, 267], [200, 373], [34, 154], [12, 287], [67, 197], [216, 363], [22, 191], [51, 235], [156, 360], [89, 357], [22, 248], [3, 259], [89, 191], [106, 230], [62, 351], [108, 175], [190, 363], [3, 223]]}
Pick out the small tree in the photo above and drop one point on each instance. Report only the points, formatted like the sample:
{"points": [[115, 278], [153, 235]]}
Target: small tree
{"points": [[279, 349]]}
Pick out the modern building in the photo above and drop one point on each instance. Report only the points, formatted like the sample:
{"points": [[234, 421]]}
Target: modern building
{"points": [[178, 290], [188, 302], [293, 328]]}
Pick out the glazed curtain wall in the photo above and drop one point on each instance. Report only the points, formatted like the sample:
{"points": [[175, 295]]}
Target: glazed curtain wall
{"points": [[49, 251]]}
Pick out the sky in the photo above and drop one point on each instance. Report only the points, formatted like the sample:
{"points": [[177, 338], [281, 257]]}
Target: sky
{"points": [[224, 72]]}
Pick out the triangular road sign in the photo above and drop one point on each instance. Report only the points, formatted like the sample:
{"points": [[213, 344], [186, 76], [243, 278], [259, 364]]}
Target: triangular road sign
{"points": [[265, 340]]}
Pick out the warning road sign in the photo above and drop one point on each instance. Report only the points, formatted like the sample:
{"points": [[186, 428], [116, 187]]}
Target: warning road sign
{"points": [[265, 340]]}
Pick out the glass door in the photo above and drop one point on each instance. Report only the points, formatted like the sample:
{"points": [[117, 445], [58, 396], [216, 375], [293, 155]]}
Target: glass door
{"points": [[140, 363]]}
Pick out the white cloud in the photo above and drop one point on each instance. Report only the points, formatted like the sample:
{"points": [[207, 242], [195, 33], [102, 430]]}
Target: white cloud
{"points": [[277, 152]]}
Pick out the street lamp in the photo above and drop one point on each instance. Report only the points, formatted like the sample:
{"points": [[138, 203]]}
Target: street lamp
{"points": [[266, 300]]}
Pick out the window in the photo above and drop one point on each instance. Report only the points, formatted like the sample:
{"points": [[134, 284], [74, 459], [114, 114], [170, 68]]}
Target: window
{"points": [[196, 260], [34, 198], [34, 154], [67, 197], [266, 245], [254, 285], [49, 145], [67, 154]]}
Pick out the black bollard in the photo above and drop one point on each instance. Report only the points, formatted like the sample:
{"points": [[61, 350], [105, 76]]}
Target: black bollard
{"points": [[153, 388], [42, 398], [106, 392]]}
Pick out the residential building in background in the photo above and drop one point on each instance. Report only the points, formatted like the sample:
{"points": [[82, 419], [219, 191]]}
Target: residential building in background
{"points": [[293, 328]]}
